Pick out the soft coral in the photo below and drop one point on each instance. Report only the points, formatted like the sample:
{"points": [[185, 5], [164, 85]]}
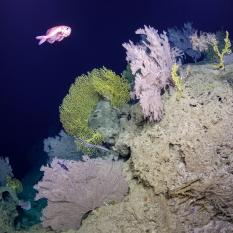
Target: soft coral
{"points": [[151, 61]]}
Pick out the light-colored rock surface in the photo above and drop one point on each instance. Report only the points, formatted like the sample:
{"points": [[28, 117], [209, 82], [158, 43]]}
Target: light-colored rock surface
{"points": [[180, 169]]}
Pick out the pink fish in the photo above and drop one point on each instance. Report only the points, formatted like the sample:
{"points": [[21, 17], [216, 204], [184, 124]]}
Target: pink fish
{"points": [[55, 34]]}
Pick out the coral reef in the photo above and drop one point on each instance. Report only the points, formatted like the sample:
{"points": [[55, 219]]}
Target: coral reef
{"points": [[180, 169]]}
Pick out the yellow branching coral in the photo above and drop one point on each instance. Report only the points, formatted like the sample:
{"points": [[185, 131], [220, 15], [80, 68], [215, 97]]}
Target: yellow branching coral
{"points": [[177, 81], [225, 50], [76, 109], [205, 40], [83, 97], [111, 86]]}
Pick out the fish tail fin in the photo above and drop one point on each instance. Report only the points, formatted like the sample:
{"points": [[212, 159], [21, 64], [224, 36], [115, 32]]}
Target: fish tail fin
{"points": [[42, 39]]}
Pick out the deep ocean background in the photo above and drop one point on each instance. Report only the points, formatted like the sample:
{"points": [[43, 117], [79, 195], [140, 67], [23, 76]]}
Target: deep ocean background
{"points": [[34, 79]]}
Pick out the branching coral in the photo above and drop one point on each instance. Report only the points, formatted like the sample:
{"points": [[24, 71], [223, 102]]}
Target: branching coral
{"points": [[76, 108], [204, 40], [151, 62], [83, 97], [111, 86], [177, 81]]}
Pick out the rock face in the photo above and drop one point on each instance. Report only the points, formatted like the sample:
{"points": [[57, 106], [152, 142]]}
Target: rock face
{"points": [[192, 140], [180, 169], [106, 120]]}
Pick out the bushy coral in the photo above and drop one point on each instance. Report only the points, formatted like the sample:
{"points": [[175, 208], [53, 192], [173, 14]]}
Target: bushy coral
{"points": [[226, 50], [74, 188], [110, 85], [151, 62], [83, 97], [205, 40], [76, 108]]}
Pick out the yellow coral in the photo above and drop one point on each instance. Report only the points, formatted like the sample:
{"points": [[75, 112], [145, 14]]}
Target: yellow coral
{"points": [[83, 97], [111, 86], [225, 50], [14, 184], [177, 81], [76, 109]]}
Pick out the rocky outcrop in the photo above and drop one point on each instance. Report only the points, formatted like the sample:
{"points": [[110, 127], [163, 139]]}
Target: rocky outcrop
{"points": [[180, 170]]}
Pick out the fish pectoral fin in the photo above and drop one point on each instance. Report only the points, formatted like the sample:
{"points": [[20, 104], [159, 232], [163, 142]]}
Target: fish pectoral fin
{"points": [[51, 41], [60, 38]]}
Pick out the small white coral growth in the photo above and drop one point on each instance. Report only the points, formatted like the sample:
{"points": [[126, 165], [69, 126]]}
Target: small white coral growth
{"points": [[5, 170], [202, 42], [74, 188], [151, 62]]}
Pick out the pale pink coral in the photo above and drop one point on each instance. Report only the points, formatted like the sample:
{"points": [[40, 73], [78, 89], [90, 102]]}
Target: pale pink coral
{"points": [[201, 42], [151, 63], [75, 188]]}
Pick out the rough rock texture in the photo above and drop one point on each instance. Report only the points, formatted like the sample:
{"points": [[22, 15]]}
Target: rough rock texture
{"points": [[216, 227], [135, 215], [180, 169], [192, 140], [105, 119]]}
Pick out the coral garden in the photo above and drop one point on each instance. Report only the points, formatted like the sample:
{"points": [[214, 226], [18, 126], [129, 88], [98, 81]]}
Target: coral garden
{"points": [[159, 140]]}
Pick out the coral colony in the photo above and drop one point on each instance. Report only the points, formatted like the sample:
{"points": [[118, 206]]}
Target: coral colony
{"points": [[157, 158]]}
